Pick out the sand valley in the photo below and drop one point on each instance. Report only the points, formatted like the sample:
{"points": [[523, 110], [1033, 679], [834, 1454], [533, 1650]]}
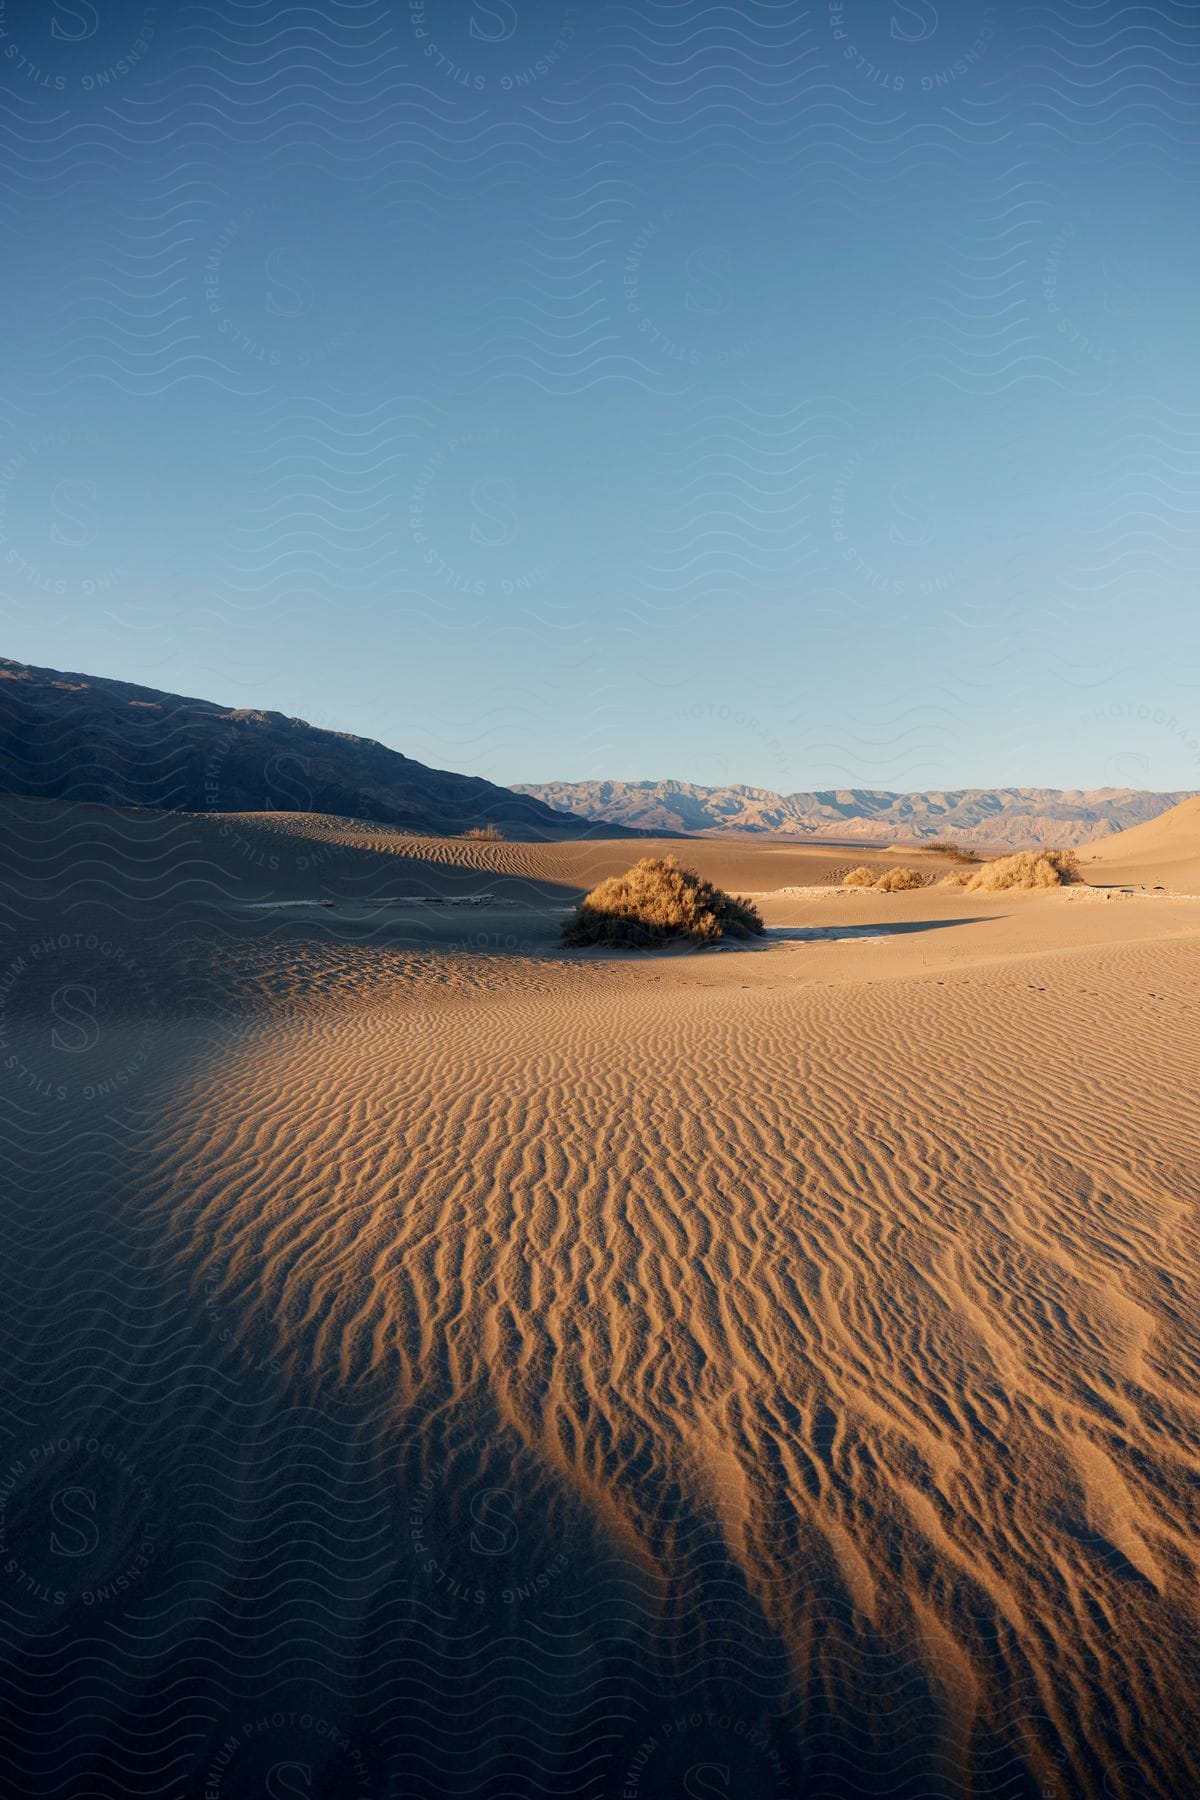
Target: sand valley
{"points": [[586, 1367]]}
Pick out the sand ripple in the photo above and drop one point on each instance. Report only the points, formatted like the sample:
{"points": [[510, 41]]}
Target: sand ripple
{"points": [[876, 1304]]}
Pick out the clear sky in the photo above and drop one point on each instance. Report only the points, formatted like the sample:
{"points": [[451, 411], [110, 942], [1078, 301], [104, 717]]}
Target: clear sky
{"points": [[797, 396]]}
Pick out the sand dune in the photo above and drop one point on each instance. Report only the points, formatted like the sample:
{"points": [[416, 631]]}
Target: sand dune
{"points": [[1165, 850], [577, 865], [583, 1374]]}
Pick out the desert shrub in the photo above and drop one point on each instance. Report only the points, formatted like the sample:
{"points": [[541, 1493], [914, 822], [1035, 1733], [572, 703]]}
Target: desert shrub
{"points": [[655, 901], [488, 834], [958, 852], [1027, 870], [887, 881], [899, 881]]}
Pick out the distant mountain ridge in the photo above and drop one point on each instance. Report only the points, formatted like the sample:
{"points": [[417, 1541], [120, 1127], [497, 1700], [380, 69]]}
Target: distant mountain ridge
{"points": [[82, 737], [1020, 818]]}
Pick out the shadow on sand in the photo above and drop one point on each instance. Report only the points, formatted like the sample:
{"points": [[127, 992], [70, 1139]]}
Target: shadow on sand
{"points": [[816, 934]]}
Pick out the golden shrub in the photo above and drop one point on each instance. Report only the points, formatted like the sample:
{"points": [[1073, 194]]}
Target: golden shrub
{"points": [[654, 902], [899, 881], [1027, 871]]}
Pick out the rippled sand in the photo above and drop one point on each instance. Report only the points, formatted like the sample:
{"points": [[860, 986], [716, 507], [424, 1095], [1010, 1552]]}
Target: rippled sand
{"points": [[772, 1371]]}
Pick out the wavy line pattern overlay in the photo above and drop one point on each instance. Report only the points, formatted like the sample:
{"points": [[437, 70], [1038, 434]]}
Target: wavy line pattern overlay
{"points": [[311, 1483]]}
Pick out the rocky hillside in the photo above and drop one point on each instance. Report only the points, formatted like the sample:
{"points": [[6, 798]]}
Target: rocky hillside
{"points": [[79, 737], [1020, 818]]}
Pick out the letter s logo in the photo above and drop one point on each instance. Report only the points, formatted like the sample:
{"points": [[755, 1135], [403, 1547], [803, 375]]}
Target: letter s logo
{"points": [[289, 1781], [908, 527], [705, 293], [85, 16], [290, 294], [498, 493], [502, 14], [705, 1781], [495, 1536], [73, 1509], [924, 17], [1129, 768], [284, 790], [74, 1006], [74, 502]]}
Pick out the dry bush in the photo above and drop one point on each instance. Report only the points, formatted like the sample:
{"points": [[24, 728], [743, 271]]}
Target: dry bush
{"points": [[487, 834], [958, 852], [656, 901], [1027, 870], [899, 881], [889, 881]]}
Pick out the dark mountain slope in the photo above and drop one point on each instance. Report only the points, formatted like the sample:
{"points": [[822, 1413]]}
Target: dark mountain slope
{"points": [[81, 737]]}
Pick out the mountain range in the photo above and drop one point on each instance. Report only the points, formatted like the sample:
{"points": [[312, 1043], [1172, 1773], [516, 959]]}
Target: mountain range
{"points": [[81, 737], [1011, 817], [84, 737]]}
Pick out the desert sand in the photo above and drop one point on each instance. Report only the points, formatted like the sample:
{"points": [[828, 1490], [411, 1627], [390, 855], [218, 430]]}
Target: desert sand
{"points": [[1164, 851], [765, 1371]]}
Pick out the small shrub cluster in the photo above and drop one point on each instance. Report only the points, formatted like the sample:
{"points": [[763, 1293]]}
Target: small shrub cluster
{"points": [[891, 881], [1028, 869], [657, 901], [899, 881], [487, 834], [957, 852]]}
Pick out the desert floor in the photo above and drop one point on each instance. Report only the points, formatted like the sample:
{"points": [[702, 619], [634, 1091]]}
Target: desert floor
{"points": [[440, 1365]]}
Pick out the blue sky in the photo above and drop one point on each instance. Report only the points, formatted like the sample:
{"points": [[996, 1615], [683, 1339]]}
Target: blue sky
{"points": [[797, 397]]}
